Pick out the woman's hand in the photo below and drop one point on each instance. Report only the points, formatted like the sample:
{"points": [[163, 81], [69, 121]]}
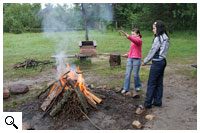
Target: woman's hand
{"points": [[142, 64], [123, 33], [125, 56]]}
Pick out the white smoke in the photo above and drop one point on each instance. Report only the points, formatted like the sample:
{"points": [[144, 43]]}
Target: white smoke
{"points": [[56, 22], [55, 27]]}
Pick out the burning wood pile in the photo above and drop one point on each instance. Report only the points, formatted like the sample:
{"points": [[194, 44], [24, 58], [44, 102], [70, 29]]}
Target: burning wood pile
{"points": [[69, 95]]}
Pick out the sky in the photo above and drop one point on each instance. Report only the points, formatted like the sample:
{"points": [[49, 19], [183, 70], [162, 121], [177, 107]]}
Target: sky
{"points": [[43, 4]]}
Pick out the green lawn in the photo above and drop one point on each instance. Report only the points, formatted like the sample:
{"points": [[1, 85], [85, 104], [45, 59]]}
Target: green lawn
{"points": [[16, 47]]}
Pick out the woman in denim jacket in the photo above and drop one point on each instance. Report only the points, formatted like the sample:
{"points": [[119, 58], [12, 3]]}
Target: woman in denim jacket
{"points": [[134, 60]]}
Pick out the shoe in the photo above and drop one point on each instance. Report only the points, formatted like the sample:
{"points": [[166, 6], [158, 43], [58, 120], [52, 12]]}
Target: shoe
{"points": [[140, 109], [123, 91], [138, 89]]}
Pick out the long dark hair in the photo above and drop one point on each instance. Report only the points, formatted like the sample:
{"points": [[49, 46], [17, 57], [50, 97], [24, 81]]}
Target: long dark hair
{"points": [[160, 28], [137, 31]]}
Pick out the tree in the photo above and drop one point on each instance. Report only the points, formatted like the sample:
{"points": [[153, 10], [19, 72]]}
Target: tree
{"points": [[177, 16], [85, 21], [20, 17]]}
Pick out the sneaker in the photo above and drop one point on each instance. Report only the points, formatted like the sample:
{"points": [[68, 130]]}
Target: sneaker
{"points": [[123, 91], [138, 89]]}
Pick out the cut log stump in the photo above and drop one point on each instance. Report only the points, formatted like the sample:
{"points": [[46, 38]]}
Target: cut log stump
{"points": [[115, 59]]}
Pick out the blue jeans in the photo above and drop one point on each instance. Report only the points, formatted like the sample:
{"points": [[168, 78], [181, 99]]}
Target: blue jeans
{"points": [[155, 84], [132, 64]]}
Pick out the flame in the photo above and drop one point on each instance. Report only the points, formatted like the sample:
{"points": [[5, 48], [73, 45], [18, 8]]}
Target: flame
{"points": [[73, 76], [63, 82], [81, 81], [71, 73]]}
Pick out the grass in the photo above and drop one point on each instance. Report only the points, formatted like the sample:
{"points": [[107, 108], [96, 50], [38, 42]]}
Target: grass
{"points": [[14, 102], [41, 46], [85, 63]]}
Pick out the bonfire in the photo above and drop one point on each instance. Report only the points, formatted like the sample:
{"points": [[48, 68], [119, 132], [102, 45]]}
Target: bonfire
{"points": [[69, 94]]}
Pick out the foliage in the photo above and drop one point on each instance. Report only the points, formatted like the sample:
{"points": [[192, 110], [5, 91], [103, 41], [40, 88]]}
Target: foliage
{"points": [[177, 16], [19, 18]]}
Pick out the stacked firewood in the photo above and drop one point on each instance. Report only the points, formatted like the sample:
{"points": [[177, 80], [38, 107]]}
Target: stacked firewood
{"points": [[70, 94]]}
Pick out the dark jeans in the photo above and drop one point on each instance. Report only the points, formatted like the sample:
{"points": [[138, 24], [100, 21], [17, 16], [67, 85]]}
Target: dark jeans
{"points": [[155, 84]]}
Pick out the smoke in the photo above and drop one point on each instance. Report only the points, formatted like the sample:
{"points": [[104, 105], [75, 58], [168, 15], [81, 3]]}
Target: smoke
{"points": [[60, 63], [98, 15], [58, 20], [55, 28]]}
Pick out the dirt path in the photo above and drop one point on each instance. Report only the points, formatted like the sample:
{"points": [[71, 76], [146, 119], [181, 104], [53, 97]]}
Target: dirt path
{"points": [[179, 110]]}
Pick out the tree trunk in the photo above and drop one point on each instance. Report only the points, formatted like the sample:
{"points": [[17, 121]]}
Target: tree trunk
{"points": [[85, 21]]}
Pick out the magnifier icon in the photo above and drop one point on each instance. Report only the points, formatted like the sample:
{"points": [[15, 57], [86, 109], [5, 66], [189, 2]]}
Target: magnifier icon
{"points": [[9, 120]]}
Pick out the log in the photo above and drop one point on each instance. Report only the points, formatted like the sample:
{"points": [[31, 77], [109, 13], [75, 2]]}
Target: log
{"points": [[91, 102], [97, 95], [82, 95], [91, 99], [115, 59], [61, 103], [88, 96], [78, 95], [52, 103], [83, 103], [49, 98], [50, 86], [65, 74], [98, 100]]}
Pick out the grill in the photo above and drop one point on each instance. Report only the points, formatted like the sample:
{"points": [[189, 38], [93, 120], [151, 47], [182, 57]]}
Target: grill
{"points": [[88, 47]]}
